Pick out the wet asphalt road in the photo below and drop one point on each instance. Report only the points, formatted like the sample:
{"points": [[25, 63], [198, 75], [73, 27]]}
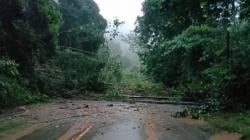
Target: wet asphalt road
{"points": [[87, 120], [154, 123]]}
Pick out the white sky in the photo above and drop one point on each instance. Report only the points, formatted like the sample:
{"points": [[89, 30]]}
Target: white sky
{"points": [[124, 10]]}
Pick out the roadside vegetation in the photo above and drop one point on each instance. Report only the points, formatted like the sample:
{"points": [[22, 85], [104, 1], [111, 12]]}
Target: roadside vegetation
{"points": [[52, 49], [200, 50], [189, 49], [231, 122], [10, 125], [134, 84]]}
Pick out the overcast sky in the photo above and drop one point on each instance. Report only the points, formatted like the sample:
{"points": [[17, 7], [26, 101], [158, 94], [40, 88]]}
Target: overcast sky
{"points": [[124, 10]]}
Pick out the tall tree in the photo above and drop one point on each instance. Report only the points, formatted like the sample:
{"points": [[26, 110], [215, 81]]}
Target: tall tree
{"points": [[245, 11], [28, 30], [83, 26], [168, 18]]}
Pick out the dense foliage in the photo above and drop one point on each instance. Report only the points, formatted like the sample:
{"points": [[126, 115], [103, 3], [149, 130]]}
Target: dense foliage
{"points": [[199, 47], [14, 91], [29, 30], [72, 72], [168, 18], [83, 27], [52, 48]]}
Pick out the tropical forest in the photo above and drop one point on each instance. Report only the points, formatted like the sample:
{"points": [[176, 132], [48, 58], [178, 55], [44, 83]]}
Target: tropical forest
{"points": [[124, 69]]}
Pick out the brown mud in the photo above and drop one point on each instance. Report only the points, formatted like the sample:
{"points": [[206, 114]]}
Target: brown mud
{"points": [[101, 120], [226, 136]]}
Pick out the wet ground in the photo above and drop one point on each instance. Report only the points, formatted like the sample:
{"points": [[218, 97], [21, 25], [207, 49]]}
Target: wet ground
{"points": [[92, 120], [226, 136]]}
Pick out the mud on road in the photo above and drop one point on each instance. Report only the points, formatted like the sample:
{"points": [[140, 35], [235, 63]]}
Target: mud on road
{"points": [[95, 120]]}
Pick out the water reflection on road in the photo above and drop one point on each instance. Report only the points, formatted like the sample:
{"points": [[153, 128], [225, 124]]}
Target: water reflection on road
{"points": [[129, 129], [95, 120]]}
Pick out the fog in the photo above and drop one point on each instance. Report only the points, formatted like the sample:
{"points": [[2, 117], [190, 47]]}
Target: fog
{"points": [[127, 11], [124, 10]]}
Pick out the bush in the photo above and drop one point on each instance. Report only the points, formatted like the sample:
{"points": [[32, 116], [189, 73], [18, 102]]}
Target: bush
{"points": [[70, 70], [184, 57], [111, 72], [80, 71], [8, 67], [12, 91], [200, 64]]}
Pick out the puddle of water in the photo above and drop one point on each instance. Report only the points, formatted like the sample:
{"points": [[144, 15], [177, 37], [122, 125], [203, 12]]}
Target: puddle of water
{"points": [[125, 130], [226, 136]]}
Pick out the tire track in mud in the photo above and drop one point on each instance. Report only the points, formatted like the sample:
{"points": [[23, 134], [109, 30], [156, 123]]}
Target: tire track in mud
{"points": [[149, 127]]}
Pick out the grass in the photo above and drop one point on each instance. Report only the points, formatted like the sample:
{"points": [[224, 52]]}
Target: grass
{"points": [[232, 122], [138, 84], [13, 92], [9, 125], [134, 84], [114, 93]]}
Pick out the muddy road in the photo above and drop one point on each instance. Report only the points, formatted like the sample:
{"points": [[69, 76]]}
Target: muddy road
{"points": [[92, 120]]}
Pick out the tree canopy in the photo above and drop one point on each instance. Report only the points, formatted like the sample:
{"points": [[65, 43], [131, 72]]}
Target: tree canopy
{"points": [[199, 47], [29, 30], [83, 27], [50, 47], [168, 18]]}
